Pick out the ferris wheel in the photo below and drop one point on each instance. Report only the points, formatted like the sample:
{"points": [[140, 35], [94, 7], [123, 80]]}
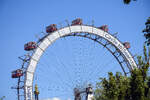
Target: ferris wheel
{"points": [[34, 68]]}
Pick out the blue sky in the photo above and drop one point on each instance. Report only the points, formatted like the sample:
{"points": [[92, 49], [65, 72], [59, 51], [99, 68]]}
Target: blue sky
{"points": [[20, 20]]}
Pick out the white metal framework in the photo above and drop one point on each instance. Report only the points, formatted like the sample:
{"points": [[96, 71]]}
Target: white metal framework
{"points": [[73, 31]]}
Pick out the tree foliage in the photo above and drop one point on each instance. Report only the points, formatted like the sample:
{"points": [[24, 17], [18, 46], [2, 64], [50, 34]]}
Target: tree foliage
{"points": [[146, 31], [2, 98], [133, 87], [127, 1]]}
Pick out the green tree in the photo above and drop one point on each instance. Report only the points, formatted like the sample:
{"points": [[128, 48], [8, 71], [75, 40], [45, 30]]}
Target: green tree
{"points": [[113, 88], [2, 98], [146, 31], [128, 1], [120, 87]]}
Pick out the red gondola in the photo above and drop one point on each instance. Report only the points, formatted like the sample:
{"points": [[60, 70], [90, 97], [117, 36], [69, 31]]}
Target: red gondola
{"points": [[30, 46], [51, 28], [17, 73], [104, 28], [127, 45], [77, 21]]}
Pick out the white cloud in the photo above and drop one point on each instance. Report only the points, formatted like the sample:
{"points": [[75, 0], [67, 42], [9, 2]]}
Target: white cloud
{"points": [[69, 99], [55, 98]]}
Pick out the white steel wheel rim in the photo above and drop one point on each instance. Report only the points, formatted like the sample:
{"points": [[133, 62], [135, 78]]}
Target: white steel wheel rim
{"points": [[52, 37]]}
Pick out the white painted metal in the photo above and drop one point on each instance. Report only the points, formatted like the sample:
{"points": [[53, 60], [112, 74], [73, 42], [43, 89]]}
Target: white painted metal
{"points": [[63, 32]]}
